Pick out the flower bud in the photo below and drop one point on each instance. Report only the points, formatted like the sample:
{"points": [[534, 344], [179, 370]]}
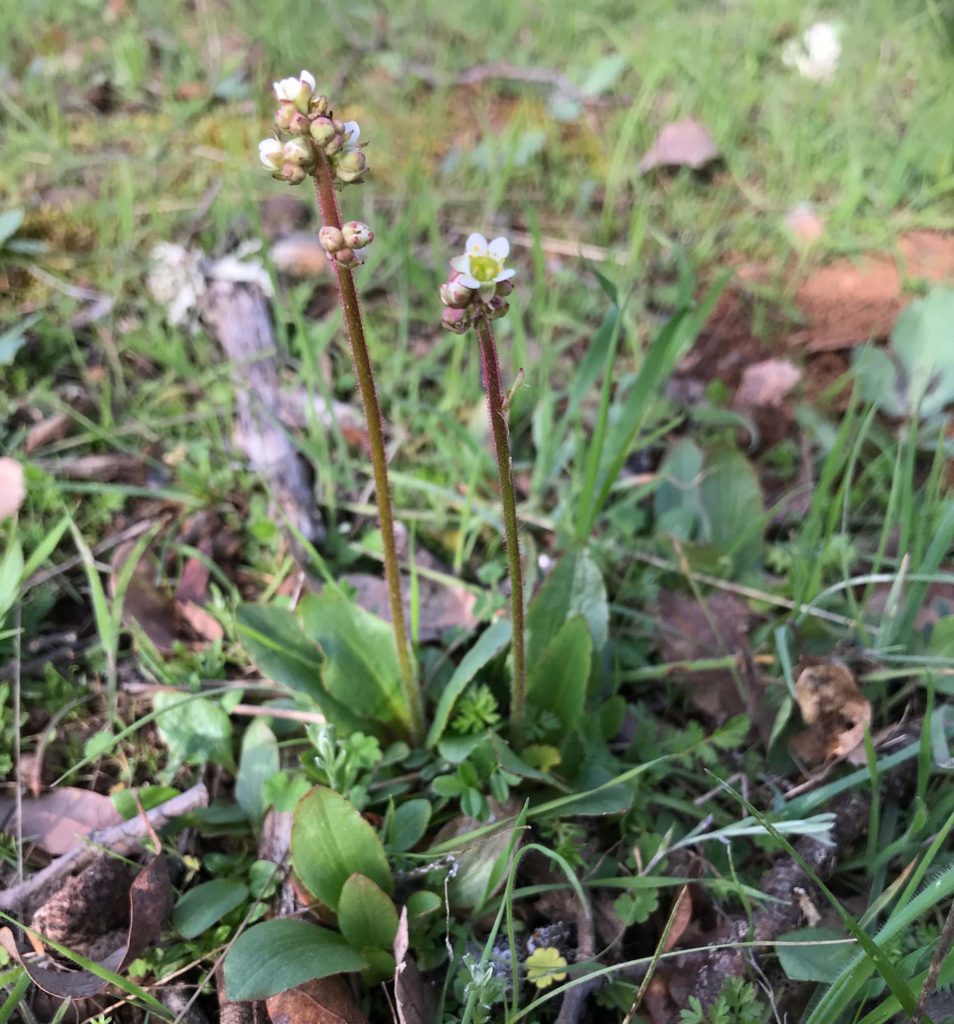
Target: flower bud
{"points": [[455, 294], [497, 307], [504, 288], [318, 105], [348, 258], [331, 239], [298, 123], [356, 234], [293, 174], [456, 320], [283, 116], [299, 151], [322, 130], [350, 165]]}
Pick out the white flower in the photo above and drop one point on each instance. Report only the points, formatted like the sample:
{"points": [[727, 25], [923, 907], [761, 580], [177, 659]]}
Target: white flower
{"points": [[270, 153], [482, 266], [815, 54], [296, 90]]}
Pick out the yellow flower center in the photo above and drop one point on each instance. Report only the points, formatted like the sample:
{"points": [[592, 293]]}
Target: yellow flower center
{"points": [[485, 268]]}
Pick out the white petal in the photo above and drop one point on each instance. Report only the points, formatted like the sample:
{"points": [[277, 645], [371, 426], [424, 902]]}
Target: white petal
{"points": [[309, 79], [351, 133], [487, 290], [505, 275], [277, 86], [468, 282], [499, 248], [268, 148], [288, 88], [476, 245], [461, 264]]}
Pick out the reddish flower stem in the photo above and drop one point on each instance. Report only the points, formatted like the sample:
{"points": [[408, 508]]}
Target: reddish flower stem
{"points": [[500, 434], [348, 295]]}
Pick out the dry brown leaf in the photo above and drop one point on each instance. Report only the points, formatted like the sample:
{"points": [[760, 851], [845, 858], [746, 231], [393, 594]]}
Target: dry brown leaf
{"points": [[848, 302], [835, 710], [53, 428], [113, 467], [58, 820], [441, 607], [325, 1001], [766, 384], [682, 919], [193, 583], [686, 634], [283, 214], [143, 602], [658, 1004], [150, 903], [300, 255], [12, 487], [192, 593], [685, 143], [413, 998], [201, 622]]}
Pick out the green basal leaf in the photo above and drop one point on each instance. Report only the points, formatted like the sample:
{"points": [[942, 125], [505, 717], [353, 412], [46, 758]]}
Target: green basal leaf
{"points": [[330, 842], [277, 955], [203, 905], [558, 680], [361, 668], [408, 824], [574, 587], [366, 915], [257, 764], [821, 955]]}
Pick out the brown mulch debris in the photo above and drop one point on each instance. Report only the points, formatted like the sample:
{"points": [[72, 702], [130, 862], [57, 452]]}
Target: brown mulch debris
{"points": [[851, 301]]}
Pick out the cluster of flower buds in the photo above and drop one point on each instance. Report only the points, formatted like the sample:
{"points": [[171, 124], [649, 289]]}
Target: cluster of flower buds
{"points": [[343, 245], [478, 285], [304, 114]]}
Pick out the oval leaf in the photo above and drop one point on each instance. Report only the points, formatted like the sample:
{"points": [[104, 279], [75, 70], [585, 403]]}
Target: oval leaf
{"points": [[409, 824], [574, 587], [361, 667], [366, 915], [258, 763], [207, 903], [278, 955], [330, 842]]}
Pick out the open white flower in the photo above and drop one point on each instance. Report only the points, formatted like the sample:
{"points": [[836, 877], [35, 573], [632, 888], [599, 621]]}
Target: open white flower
{"points": [[815, 54], [296, 90], [270, 153], [482, 265]]}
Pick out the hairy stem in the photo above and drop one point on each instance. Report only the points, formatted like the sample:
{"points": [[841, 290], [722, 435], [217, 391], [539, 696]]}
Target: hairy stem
{"points": [[348, 294], [500, 433]]}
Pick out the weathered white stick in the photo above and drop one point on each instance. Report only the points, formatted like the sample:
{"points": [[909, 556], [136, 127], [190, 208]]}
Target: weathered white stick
{"points": [[128, 832]]}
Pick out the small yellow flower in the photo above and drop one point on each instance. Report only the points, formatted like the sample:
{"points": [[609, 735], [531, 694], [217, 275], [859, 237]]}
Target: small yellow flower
{"points": [[543, 966]]}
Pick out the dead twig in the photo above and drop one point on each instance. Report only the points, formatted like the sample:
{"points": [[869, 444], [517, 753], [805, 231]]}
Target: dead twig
{"points": [[119, 838]]}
